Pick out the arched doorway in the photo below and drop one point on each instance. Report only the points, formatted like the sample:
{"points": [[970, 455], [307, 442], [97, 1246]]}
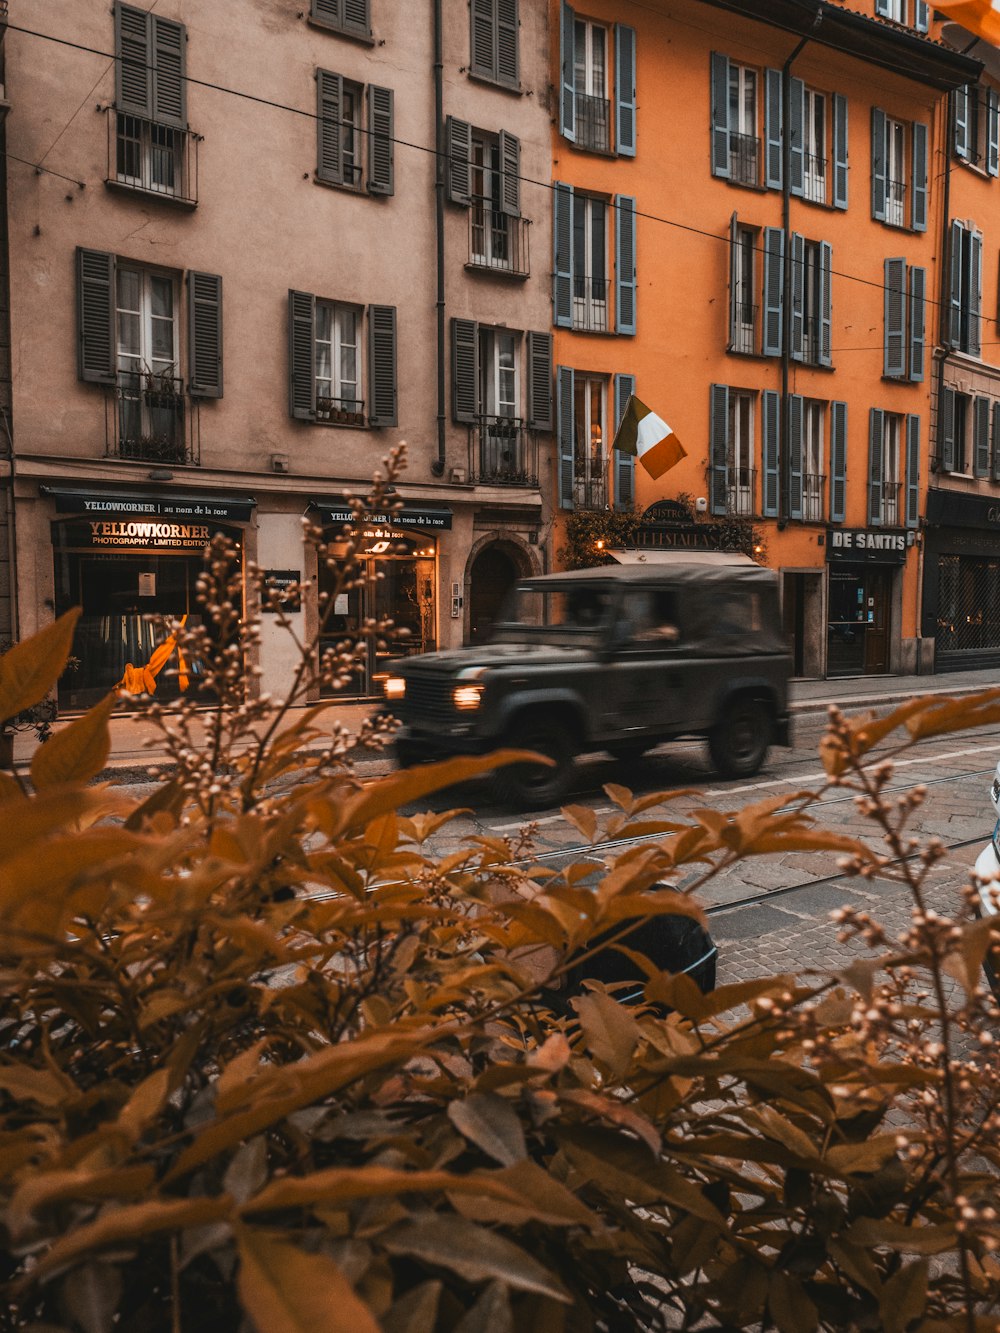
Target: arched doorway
{"points": [[493, 572]]}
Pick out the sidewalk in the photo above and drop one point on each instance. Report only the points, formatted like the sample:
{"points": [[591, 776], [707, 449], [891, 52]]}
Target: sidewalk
{"points": [[135, 747]]}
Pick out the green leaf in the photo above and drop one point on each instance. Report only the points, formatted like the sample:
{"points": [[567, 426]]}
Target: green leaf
{"points": [[790, 1307], [490, 1314], [904, 1297], [491, 1123], [285, 1290], [31, 668], [611, 1032], [475, 1254], [77, 752]]}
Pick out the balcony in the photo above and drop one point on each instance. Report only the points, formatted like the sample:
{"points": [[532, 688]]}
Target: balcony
{"points": [[145, 419], [340, 411], [590, 485], [744, 159], [160, 161], [888, 497], [808, 349], [813, 490], [497, 243], [895, 203], [741, 491], [593, 123], [590, 304], [502, 452], [814, 179], [744, 336]]}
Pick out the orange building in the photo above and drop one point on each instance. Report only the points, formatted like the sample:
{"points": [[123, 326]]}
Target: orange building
{"points": [[769, 294]]}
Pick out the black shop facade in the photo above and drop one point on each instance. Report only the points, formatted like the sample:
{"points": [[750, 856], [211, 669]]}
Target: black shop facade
{"points": [[961, 589]]}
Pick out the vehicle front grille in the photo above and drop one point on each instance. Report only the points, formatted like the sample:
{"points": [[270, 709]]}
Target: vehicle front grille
{"points": [[427, 702]]}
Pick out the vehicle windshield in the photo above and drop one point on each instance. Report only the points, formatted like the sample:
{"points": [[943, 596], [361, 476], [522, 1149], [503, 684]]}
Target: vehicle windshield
{"points": [[531, 610]]}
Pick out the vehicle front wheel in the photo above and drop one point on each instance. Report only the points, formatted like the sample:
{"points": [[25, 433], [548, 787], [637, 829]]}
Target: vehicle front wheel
{"points": [[536, 786], [740, 742]]}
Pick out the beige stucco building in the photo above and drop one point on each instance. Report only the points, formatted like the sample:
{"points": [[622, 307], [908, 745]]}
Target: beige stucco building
{"points": [[242, 273]]}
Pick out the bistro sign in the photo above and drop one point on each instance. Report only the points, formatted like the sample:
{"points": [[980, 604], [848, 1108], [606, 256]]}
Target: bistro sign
{"points": [[875, 546]]}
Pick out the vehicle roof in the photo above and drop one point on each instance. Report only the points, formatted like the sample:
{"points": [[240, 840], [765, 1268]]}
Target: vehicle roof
{"points": [[661, 572]]}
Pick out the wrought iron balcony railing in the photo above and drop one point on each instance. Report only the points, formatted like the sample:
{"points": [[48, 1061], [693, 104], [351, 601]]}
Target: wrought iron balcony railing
{"points": [[497, 243], [590, 304], [744, 336], [590, 492], [741, 490], [887, 495], [744, 159], [152, 159], [808, 348], [340, 411], [895, 203], [813, 490], [593, 123], [814, 179], [146, 421], [502, 452]]}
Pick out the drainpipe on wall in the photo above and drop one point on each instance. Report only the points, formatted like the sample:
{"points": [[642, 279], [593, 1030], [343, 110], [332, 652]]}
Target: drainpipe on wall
{"points": [[438, 464]]}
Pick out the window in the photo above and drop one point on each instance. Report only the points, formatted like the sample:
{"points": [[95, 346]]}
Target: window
{"points": [[913, 13], [590, 74], [490, 366], [590, 461], [899, 171], [498, 389], [885, 468], [813, 455], [483, 173], [811, 301], [744, 145], [895, 184], [740, 472], [975, 118], [965, 288], [597, 84], [494, 41], [903, 343], [968, 434], [351, 17], [330, 378], [150, 394], [354, 131], [581, 291], [814, 147], [744, 306], [590, 263]]}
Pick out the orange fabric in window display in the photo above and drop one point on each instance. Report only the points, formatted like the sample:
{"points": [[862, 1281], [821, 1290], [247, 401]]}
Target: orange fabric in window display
{"points": [[142, 679]]}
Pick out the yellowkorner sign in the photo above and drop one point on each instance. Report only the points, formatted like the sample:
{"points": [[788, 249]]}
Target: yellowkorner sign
{"points": [[137, 532]]}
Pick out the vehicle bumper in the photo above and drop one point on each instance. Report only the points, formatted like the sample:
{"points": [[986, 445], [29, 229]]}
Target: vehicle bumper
{"points": [[440, 744], [987, 871]]}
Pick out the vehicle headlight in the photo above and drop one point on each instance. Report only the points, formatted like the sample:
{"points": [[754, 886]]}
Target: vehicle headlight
{"points": [[394, 687], [467, 697]]}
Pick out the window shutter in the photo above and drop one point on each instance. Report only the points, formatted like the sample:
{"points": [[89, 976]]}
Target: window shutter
{"points": [[771, 414], [718, 434], [382, 365], [918, 211], [794, 455], [894, 332], [510, 174], [875, 438], [169, 86], [825, 303], [838, 462], [95, 303], [975, 291], [996, 442], [992, 132], [329, 97], [565, 434], [720, 114], [624, 264], [797, 136], [458, 156], [540, 381], [840, 151], [381, 131], [912, 470], [483, 38], [955, 284], [625, 90], [567, 63], [133, 49], [734, 278], [507, 43], [774, 264], [918, 291], [773, 155], [981, 437], [624, 463], [562, 240], [302, 355], [464, 370], [878, 164], [204, 335], [798, 297], [946, 429], [960, 122], [921, 19], [357, 18]]}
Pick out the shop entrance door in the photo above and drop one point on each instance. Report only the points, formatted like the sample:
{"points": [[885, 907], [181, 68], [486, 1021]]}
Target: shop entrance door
{"points": [[877, 627], [858, 627]]}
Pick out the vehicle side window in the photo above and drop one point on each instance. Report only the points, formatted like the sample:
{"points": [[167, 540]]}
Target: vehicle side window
{"points": [[737, 612], [649, 616]]}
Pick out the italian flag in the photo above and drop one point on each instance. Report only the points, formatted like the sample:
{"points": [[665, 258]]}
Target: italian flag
{"points": [[649, 438], [979, 16]]}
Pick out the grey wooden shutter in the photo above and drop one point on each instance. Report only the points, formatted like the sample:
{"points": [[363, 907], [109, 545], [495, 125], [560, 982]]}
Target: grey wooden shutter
{"points": [[464, 370], [562, 245], [720, 114], [718, 435], [996, 442], [356, 18], [894, 332], [798, 296], [329, 100], [981, 436], [381, 132], [625, 90], [961, 129], [875, 440], [771, 415], [302, 355], [483, 17], [918, 294], [841, 151], [625, 284], [975, 291], [382, 392], [624, 463], [921, 19], [955, 284], [946, 429], [774, 264], [918, 209], [734, 278], [838, 462], [204, 335], [458, 157], [795, 406], [797, 136], [134, 60], [773, 153], [510, 174], [992, 132], [95, 303], [565, 433], [540, 381], [879, 186], [825, 303], [168, 42], [507, 42], [912, 514], [567, 65]]}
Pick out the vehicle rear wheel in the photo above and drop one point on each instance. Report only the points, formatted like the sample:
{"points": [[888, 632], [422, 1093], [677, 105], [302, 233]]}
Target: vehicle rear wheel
{"points": [[740, 742], [536, 786]]}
